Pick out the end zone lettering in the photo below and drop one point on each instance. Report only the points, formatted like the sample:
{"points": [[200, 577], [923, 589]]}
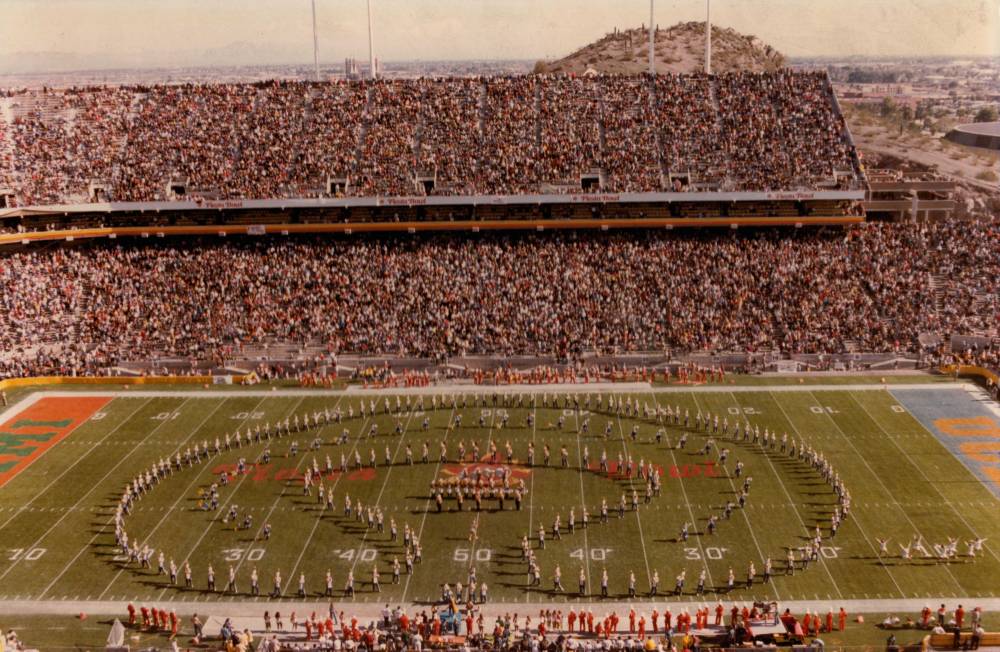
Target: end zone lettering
{"points": [[28, 434]]}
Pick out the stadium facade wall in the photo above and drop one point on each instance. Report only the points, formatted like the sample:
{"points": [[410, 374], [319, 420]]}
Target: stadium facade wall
{"points": [[972, 370], [19, 383], [413, 227], [458, 200]]}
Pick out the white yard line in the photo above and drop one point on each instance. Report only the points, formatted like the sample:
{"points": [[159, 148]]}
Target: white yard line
{"points": [[301, 394], [753, 535], [922, 473], [531, 490], [174, 505], [222, 507], [319, 519], [489, 442], [638, 518], [878, 478], [801, 439], [583, 498], [385, 483], [69, 468], [694, 521], [111, 520], [427, 504], [333, 488], [80, 500]]}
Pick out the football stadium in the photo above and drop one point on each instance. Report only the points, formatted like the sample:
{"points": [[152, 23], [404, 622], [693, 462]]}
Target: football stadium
{"points": [[545, 361]]}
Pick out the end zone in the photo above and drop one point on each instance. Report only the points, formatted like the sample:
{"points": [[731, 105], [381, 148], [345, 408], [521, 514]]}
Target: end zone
{"points": [[31, 431], [964, 424]]}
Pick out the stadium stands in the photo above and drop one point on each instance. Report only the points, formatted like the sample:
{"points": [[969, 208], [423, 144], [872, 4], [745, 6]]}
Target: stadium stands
{"points": [[483, 136], [450, 114], [79, 309], [777, 130]]}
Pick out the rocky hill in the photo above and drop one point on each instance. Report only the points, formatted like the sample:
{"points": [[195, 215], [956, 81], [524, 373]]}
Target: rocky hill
{"points": [[680, 48]]}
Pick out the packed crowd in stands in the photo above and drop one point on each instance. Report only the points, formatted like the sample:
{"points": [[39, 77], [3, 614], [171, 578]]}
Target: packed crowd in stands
{"points": [[778, 127], [507, 164], [984, 354], [449, 114], [80, 309], [691, 135], [495, 135], [629, 121], [385, 162], [987, 356]]}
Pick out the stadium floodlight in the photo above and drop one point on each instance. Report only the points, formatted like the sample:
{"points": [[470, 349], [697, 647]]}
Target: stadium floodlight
{"points": [[371, 43], [652, 67], [315, 42], [708, 37]]}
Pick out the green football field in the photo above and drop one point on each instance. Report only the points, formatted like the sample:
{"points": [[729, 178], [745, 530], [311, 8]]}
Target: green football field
{"points": [[57, 499]]}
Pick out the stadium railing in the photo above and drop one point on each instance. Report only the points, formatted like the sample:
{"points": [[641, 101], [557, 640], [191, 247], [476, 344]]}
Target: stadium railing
{"points": [[18, 383], [947, 641], [971, 370], [413, 227]]}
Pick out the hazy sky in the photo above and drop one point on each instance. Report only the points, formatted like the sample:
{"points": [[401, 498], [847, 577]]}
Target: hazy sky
{"points": [[166, 32]]}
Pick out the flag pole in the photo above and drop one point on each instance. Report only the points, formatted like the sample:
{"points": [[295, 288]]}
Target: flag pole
{"points": [[652, 67], [708, 37], [371, 43], [315, 42]]}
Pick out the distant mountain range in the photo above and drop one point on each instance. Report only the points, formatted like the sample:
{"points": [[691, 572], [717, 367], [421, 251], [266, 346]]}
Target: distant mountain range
{"points": [[238, 53]]}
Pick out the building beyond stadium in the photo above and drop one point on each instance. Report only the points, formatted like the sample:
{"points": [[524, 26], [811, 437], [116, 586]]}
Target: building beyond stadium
{"points": [[979, 134]]}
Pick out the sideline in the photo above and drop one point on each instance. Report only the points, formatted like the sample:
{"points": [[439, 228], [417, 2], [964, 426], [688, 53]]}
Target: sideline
{"points": [[373, 610], [562, 388]]}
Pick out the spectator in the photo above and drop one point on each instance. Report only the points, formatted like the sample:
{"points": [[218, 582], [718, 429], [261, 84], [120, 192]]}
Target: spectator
{"points": [[86, 309], [496, 136]]}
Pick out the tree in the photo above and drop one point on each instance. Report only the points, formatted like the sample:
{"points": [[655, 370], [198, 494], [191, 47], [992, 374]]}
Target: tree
{"points": [[986, 114], [888, 107]]}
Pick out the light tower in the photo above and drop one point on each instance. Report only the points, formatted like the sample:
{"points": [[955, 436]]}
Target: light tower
{"points": [[371, 43], [652, 67], [315, 42], [708, 37]]}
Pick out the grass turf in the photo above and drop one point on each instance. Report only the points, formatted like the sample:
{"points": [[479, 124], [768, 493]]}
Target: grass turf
{"points": [[56, 528]]}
